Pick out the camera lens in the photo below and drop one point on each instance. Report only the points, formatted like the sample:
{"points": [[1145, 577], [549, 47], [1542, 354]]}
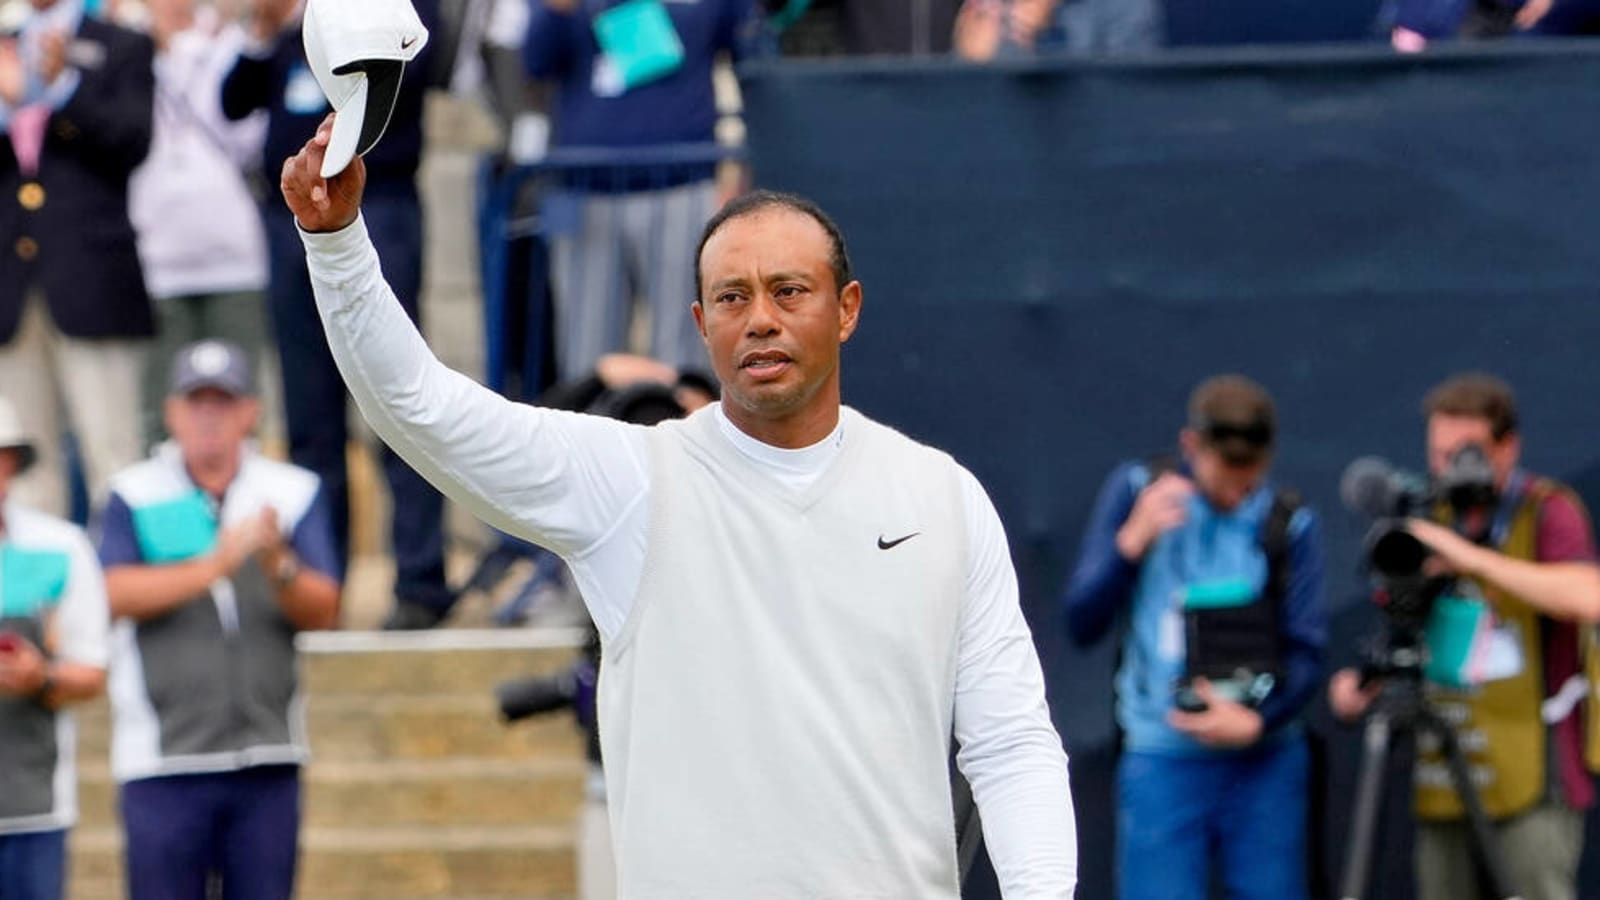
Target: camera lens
{"points": [[1397, 553]]}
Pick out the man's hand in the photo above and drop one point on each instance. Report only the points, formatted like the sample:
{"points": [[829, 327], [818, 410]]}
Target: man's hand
{"points": [[1532, 12], [1347, 698], [1028, 18], [1459, 555], [319, 204], [273, 546], [23, 670], [269, 17], [1161, 507], [52, 56], [1407, 41], [980, 24], [239, 542], [13, 80], [1224, 724]]}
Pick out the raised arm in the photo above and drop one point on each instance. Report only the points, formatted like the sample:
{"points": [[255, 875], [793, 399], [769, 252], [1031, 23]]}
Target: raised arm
{"points": [[1103, 578], [1009, 750], [562, 480]]}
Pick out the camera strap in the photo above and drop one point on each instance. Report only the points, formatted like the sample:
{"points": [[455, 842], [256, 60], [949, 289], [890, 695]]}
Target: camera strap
{"points": [[1275, 542], [1506, 508]]}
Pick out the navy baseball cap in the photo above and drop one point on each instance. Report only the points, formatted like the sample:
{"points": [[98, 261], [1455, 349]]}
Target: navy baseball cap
{"points": [[220, 365]]}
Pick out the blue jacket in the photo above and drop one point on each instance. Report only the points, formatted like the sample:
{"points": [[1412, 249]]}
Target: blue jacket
{"points": [[1210, 545], [65, 228], [679, 108], [281, 83]]}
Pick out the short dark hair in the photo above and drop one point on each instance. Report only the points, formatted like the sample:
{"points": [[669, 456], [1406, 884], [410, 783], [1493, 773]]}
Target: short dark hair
{"points": [[760, 201], [1235, 417], [1478, 395]]}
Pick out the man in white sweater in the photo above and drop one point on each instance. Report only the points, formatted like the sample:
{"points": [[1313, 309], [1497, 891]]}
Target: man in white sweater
{"points": [[799, 606]]}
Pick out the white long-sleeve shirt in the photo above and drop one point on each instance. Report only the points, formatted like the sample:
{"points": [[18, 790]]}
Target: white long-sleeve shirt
{"points": [[580, 485]]}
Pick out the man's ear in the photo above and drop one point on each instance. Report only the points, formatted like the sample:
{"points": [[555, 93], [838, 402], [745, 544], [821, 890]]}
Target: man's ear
{"points": [[698, 310], [169, 412], [252, 414], [1189, 442], [849, 310]]}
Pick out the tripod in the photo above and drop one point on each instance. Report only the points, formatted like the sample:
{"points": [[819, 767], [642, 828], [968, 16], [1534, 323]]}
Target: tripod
{"points": [[1400, 709]]}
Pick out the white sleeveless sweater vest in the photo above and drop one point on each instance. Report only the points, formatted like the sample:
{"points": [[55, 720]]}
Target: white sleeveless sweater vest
{"points": [[776, 712]]}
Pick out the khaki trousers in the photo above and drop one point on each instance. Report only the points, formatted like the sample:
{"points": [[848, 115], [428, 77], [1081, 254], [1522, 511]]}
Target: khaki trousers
{"points": [[58, 382]]}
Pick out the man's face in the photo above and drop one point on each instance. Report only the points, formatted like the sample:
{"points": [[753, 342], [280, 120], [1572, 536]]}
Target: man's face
{"points": [[1225, 485], [1448, 433], [771, 316], [210, 425]]}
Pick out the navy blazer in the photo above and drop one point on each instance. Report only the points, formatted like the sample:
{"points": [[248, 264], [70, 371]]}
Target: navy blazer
{"points": [[67, 229]]}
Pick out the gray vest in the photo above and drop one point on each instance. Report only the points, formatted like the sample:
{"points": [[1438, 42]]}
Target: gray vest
{"points": [[28, 750], [215, 688]]}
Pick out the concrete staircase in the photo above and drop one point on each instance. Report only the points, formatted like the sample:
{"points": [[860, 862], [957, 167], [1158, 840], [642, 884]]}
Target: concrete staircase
{"points": [[416, 790]]}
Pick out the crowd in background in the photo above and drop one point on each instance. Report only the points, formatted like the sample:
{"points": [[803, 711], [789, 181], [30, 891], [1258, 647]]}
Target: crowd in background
{"points": [[145, 219], [148, 270]]}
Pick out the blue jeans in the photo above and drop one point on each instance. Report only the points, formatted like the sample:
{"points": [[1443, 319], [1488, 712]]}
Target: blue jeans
{"points": [[240, 828], [314, 396], [1245, 812], [33, 866]]}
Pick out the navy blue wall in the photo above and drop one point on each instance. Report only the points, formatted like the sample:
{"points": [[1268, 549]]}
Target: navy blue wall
{"points": [[1052, 256]]}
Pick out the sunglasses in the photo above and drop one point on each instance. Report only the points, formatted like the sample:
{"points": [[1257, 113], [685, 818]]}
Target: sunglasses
{"points": [[1256, 434]]}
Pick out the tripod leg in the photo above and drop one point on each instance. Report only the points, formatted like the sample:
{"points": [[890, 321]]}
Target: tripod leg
{"points": [[1485, 847], [1375, 745]]}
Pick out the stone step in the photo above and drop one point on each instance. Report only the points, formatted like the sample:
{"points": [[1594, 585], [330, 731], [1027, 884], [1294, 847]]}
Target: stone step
{"points": [[447, 661], [385, 863], [469, 792], [355, 728]]}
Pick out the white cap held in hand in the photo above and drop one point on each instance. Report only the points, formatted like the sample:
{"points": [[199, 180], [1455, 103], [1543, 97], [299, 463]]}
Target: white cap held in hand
{"points": [[358, 49]]}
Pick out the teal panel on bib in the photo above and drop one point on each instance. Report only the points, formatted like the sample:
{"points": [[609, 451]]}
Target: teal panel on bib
{"points": [[1222, 593], [31, 580], [175, 530], [1452, 634], [639, 40]]}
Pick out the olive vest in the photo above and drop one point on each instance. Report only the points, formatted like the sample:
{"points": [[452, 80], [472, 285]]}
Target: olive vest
{"points": [[1502, 734]]}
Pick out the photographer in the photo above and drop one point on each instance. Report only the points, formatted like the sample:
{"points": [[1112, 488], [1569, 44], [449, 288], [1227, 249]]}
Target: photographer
{"points": [[1532, 553], [1205, 555]]}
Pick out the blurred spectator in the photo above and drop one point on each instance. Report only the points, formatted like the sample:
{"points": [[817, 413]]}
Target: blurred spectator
{"points": [[215, 558], [1563, 18], [1413, 24], [75, 103], [1111, 27], [635, 75], [200, 236], [52, 653], [987, 29], [272, 75], [1001, 29], [1219, 576]]}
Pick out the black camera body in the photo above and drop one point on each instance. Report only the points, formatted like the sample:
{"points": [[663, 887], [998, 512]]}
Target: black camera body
{"points": [[1406, 593], [1389, 496]]}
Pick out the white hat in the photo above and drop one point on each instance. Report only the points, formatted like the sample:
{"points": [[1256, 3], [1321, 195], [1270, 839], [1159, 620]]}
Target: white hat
{"points": [[357, 49], [13, 437]]}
